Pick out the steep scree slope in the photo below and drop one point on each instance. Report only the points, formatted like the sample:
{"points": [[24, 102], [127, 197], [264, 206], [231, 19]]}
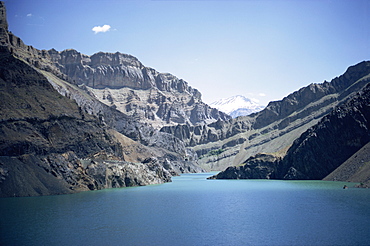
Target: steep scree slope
{"points": [[224, 143], [121, 81], [51, 145], [321, 149], [48, 145]]}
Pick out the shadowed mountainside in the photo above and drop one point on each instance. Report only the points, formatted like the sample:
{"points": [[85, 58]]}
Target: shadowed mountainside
{"points": [[48, 145], [57, 138], [123, 82], [224, 143], [72, 122], [331, 145]]}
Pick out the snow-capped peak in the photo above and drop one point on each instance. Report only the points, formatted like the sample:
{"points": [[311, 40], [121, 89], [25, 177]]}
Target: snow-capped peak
{"points": [[237, 105]]}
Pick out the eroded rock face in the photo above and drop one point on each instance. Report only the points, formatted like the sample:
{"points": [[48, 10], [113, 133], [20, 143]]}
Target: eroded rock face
{"points": [[57, 138], [274, 128], [122, 81], [157, 144], [339, 135], [260, 166], [49, 145], [319, 150], [119, 80]]}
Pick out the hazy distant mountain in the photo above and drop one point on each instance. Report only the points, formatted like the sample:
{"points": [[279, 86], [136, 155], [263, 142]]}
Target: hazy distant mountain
{"points": [[237, 106]]}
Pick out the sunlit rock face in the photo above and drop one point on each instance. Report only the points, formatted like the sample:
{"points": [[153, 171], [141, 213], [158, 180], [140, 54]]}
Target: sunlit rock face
{"points": [[273, 129], [340, 138], [122, 81], [58, 138]]}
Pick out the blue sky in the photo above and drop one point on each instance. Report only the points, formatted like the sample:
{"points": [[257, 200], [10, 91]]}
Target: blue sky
{"points": [[263, 50]]}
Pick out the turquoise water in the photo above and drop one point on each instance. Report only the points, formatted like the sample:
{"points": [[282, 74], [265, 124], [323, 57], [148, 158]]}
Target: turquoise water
{"points": [[194, 211]]}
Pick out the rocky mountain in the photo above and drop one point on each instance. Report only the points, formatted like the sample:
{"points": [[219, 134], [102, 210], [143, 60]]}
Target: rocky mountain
{"points": [[237, 106], [274, 129], [71, 122], [354, 169], [48, 145], [122, 81], [57, 137], [335, 149]]}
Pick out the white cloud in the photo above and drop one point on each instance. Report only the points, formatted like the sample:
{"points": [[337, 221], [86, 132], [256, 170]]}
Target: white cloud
{"points": [[262, 94], [98, 29], [29, 15]]}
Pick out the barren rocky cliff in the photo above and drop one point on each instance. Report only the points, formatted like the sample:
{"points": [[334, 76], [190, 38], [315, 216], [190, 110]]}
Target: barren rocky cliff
{"points": [[123, 82], [57, 137], [71, 122], [48, 145], [225, 143], [340, 137]]}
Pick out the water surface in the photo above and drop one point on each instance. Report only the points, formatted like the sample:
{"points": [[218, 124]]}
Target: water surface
{"points": [[194, 211]]}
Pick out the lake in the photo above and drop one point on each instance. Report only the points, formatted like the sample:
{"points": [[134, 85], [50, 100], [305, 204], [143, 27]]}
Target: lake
{"points": [[194, 211]]}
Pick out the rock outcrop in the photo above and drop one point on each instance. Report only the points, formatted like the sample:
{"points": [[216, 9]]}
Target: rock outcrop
{"points": [[48, 145], [274, 128], [354, 169], [57, 138], [260, 166], [121, 81], [323, 148], [327, 145]]}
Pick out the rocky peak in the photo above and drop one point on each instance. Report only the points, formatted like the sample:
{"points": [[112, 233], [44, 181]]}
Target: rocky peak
{"points": [[344, 85], [114, 59], [3, 25], [122, 81], [341, 135], [3, 19], [116, 70]]}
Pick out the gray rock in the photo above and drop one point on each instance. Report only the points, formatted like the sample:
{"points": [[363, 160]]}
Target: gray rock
{"points": [[320, 150], [273, 129], [122, 80], [50, 144], [260, 166]]}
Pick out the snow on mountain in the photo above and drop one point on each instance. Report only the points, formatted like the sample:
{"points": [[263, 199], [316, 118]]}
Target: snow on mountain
{"points": [[237, 106]]}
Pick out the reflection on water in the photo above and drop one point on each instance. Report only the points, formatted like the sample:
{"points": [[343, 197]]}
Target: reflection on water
{"points": [[194, 211]]}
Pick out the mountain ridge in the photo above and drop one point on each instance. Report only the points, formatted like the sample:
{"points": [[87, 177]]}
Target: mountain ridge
{"points": [[125, 124], [336, 148], [164, 98], [275, 127], [58, 138]]}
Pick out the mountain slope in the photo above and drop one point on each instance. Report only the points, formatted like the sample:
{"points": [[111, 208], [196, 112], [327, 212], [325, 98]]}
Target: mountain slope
{"points": [[336, 148], [275, 127], [48, 145], [339, 135], [57, 138], [123, 82], [354, 169], [236, 106]]}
